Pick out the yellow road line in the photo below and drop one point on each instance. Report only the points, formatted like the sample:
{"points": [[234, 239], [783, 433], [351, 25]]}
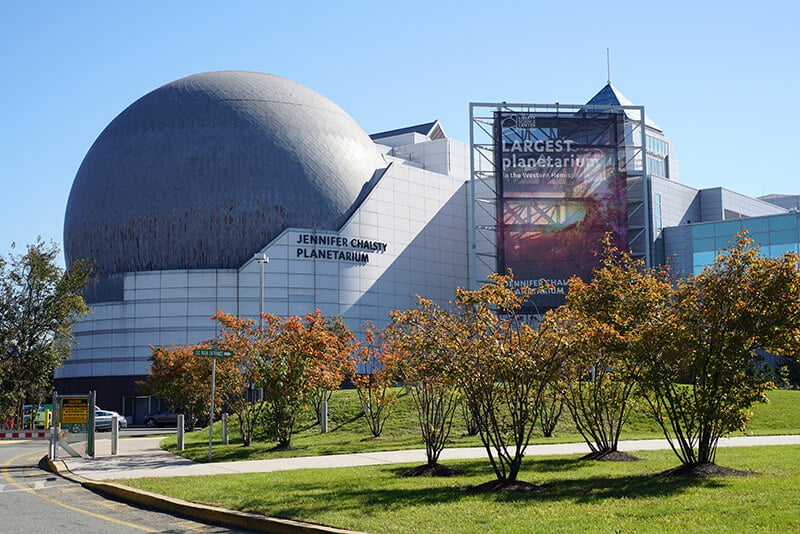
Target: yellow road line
{"points": [[8, 477]]}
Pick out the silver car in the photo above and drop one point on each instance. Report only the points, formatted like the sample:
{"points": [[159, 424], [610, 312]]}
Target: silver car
{"points": [[102, 420]]}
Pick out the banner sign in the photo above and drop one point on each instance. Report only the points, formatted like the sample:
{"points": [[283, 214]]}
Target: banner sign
{"points": [[561, 186]]}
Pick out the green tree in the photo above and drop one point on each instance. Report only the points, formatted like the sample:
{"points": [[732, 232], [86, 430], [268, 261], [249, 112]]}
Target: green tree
{"points": [[339, 366], [372, 376], [701, 378], [550, 408], [424, 364], [39, 303], [183, 380], [248, 343], [602, 323], [304, 355], [503, 366]]}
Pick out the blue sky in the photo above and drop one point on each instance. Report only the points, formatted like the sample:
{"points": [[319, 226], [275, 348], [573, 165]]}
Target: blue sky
{"points": [[721, 79]]}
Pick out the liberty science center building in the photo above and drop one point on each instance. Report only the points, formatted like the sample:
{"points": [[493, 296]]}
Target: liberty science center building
{"points": [[244, 192]]}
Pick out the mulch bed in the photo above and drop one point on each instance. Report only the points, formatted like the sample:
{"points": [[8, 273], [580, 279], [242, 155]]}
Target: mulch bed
{"points": [[499, 485], [426, 470], [703, 471], [611, 456]]}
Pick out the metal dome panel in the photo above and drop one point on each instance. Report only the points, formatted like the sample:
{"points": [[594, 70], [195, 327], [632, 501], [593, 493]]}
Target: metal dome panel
{"points": [[204, 171]]}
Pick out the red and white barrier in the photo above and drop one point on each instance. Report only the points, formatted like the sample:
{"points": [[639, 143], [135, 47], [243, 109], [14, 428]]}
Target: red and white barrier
{"points": [[24, 434]]}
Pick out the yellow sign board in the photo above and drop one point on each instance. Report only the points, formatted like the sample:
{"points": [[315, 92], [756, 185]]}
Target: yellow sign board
{"points": [[75, 411]]}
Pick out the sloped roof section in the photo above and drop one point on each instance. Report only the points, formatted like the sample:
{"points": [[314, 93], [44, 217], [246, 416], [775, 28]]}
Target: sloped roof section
{"points": [[611, 96], [433, 130]]}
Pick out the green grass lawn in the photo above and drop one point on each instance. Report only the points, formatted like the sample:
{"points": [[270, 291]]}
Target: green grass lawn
{"points": [[349, 433], [575, 496]]}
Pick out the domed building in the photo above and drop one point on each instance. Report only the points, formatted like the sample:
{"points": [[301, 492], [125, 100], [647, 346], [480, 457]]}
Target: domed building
{"points": [[216, 165], [183, 197], [188, 186]]}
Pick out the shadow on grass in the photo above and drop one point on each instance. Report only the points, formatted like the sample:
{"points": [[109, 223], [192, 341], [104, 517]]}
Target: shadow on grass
{"points": [[344, 498], [554, 465], [590, 489], [235, 451], [346, 422]]}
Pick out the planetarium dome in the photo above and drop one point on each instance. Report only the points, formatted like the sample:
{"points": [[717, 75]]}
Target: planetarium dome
{"points": [[203, 172]]}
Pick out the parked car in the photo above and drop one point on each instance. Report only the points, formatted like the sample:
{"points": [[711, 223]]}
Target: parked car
{"points": [[43, 416], [164, 418], [102, 420], [27, 410]]}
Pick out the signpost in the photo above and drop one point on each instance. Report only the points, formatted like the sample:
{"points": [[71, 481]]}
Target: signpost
{"points": [[213, 354]]}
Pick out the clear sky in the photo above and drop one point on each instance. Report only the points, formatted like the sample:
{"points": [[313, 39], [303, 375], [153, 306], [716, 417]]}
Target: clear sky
{"points": [[721, 78]]}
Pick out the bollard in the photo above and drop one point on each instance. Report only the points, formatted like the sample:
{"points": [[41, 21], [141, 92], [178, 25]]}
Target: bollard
{"points": [[52, 452], [224, 429], [180, 432], [114, 434], [323, 416]]}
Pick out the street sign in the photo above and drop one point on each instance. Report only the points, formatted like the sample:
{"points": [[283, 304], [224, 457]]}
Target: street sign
{"points": [[213, 353], [75, 411]]}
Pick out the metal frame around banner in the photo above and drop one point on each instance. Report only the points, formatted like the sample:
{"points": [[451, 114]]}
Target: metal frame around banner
{"points": [[59, 434], [483, 179]]}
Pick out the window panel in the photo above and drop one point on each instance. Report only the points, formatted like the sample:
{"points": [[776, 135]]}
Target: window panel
{"points": [[783, 222], [703, 258], [729, 228], [776, 251], [724, 242], [760, 238], [783, 236], [756, 225], [702, 230], [703, 244]]}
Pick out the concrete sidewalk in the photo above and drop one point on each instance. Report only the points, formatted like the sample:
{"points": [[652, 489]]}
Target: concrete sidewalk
{"points": [[142, 458]]}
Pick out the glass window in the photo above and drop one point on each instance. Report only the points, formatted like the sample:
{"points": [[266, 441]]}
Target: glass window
{"points": [[783, 236], [775, 251], [657, 212], [703, 244], [728, 228], [724, 242], [703, 258], [783, 222], [756, 225], [657, 146], [760, 238], [655, 166], [702, 230]]}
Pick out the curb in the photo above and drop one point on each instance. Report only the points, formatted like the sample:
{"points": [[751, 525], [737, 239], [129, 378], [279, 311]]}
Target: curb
{"points": [[199, 512]]}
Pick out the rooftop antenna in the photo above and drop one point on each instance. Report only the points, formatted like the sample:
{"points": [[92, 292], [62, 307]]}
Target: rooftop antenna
{"points": [[608, 65]]}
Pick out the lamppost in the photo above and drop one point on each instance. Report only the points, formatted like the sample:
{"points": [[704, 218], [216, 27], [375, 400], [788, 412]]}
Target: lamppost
{"points": [[261, 259]]}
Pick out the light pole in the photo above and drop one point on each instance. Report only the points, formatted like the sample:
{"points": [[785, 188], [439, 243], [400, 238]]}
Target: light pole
{"points": [[261, 259]]}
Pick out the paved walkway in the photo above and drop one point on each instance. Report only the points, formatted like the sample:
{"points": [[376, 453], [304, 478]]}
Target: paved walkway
{"points": [[142, 457]]}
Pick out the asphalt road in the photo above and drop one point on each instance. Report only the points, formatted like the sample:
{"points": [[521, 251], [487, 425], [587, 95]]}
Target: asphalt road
{"points": [[33, 501]]}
